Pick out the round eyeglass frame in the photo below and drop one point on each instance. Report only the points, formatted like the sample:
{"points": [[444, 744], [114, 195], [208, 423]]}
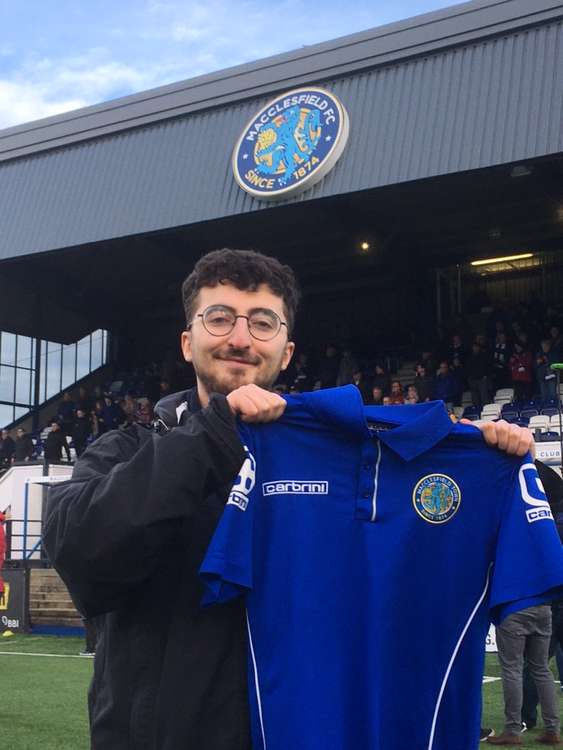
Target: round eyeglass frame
{"points": [[235, 318]]}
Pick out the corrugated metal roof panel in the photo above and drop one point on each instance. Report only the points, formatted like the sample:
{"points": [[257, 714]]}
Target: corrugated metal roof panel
{"points": [[469, 107]]}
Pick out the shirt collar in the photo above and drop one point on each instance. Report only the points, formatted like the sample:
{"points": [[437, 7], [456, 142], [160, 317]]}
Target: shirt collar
{"points": [[415, 428]]}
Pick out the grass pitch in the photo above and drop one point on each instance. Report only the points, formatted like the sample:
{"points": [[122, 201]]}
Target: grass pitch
{"points": [[43, 698], [43, 685]]}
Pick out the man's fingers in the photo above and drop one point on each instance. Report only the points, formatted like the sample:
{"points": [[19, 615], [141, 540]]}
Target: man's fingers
{"points": [[514, 440], [254, 404], [489, 433], [526, 443]]}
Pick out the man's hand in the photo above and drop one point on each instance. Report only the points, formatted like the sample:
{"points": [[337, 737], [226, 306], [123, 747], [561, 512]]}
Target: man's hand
{"points": [[514, 440], [254, 404]]}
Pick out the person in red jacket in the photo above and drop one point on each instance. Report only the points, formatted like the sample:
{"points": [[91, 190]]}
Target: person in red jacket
{"points": [[2, 554], [521, 366]]}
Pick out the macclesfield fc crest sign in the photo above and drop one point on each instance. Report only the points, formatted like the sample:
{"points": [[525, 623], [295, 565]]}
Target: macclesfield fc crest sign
{"points": [[290, 144]]}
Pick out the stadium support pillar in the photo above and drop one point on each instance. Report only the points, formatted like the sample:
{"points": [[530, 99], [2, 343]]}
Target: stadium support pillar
{"points": [[36, 385]]}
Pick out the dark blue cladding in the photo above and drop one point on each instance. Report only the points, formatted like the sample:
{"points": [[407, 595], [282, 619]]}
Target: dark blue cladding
{"points": [[373, 545]]}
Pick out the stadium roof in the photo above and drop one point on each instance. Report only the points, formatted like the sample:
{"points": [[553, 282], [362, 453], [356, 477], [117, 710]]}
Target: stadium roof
{"points": [[473, 86], [425, 34]]}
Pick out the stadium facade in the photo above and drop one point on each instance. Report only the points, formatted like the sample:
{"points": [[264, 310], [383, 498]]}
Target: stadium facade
{"points": [[453, 152]]}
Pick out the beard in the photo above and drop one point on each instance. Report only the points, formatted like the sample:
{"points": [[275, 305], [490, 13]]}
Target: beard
{"points": [[224, 381]]}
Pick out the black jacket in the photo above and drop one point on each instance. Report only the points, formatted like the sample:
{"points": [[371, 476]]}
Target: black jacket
{"points": [[80, 431], [127, 534], [54, 446], [7, 450], [24, 448]]}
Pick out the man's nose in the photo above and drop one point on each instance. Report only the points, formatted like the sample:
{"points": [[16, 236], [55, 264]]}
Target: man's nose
{"points": [[240, 337]]}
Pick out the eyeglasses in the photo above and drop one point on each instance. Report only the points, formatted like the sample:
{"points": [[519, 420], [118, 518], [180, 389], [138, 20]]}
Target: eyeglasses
{"points": [[218, 320]]}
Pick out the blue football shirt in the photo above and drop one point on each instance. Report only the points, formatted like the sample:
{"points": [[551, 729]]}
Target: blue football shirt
{"points": [[374, 545]]}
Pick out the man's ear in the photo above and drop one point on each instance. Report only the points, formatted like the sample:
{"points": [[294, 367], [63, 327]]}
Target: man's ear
{"points": [[288, 354], [186, 344]]}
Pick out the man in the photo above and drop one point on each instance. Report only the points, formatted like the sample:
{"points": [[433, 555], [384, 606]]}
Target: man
{"points": [[7, 449], [80, 431], [129, 532], [445, 385], [423, 382], [477, 369], [65, 413], [24, 447], [55, 444]]}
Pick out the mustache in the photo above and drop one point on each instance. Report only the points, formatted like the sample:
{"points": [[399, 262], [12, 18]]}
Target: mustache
{"points": [[239, 354]]}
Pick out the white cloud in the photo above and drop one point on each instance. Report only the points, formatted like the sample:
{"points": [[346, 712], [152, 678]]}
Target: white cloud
{"points": [[22, 103], [153, 42], [45, 87]]}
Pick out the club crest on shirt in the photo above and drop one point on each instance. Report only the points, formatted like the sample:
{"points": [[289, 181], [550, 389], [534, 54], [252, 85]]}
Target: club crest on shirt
{"points": [[436, 498], [244, 483]]}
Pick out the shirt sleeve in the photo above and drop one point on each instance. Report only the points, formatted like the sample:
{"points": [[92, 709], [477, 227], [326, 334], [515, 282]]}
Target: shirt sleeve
{"points": [[227, 566], [528, 566]]}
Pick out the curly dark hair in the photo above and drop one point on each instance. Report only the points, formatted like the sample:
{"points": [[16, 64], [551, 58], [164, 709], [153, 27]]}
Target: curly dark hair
{"points": [[245, 269]]}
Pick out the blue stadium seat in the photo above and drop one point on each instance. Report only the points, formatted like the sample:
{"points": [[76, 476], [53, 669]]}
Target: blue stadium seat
{"points": [[471, 412], [547, 437], [549, 411], [509, 412], [529, 412]]}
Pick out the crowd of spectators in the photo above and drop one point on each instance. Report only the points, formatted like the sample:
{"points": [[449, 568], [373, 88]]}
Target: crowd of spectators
{"points": [[77, 422], [515, 349], [512, 348]]}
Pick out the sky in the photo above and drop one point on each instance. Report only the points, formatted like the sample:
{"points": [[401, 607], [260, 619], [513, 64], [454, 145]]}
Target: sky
{"points": [[60, 55]]}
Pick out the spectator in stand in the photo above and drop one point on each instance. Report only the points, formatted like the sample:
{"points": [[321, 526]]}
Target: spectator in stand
{"points": [[521, 366], [55, 444], [98, 418], [501, 357], [328, 367], [129, 407], [381, 379], [478, 367], [7, 449], [428, 360], [387, 401], [547, 380], [112, 414], [456, 359], [84, 400], [80, 431], [24, 447], [359, 381], [423, 382], [396, 394], [65, 413], [445, 385], [346, 369], [456, 353], [556, 343], [412, 395], [301, 378], [377, 396], [144, 415]]}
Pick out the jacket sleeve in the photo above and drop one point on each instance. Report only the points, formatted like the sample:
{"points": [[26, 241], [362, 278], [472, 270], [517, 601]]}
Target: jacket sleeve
{"points": [[107, 527]]}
